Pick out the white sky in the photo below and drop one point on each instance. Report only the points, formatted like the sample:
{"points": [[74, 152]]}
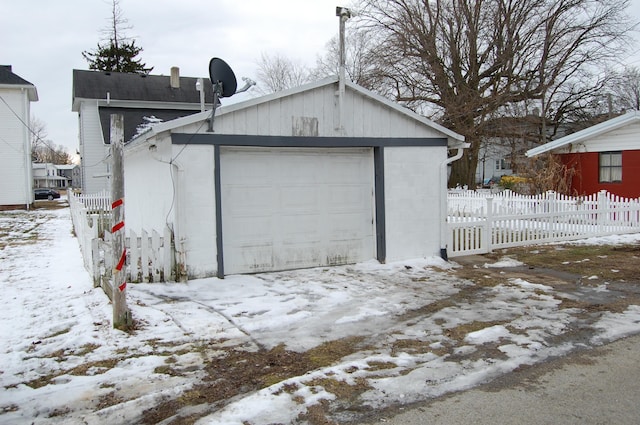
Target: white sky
{"points": [[43, 41]]}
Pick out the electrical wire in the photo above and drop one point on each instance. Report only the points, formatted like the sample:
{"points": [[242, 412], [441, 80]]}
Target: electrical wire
{"points": [[37, 136]]}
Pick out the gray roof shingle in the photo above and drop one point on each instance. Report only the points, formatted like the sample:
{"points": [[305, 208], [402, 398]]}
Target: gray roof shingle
{"points": [[8, 77], [137, 87]]}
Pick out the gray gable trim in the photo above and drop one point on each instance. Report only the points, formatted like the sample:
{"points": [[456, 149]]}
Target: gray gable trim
{"points": [[137, 87], [301, 142]]}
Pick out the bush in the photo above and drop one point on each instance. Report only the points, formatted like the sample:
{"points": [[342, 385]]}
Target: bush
{"points": [[512, 182]]}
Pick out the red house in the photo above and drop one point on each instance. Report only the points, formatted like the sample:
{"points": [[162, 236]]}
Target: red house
{"points": [[605, 156]]}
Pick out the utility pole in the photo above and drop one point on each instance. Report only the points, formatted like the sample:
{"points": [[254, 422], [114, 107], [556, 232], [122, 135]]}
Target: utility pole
{"points": [[121, 314]]}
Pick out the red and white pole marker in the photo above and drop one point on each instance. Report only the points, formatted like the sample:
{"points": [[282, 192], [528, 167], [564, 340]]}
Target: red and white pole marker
{"points": [[118, 227]]}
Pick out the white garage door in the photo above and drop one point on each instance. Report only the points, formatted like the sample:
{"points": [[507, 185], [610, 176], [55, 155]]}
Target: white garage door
{"points": [[293, 208]]}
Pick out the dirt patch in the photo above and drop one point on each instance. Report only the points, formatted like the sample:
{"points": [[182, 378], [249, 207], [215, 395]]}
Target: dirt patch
{"points": [[241, 372], [594, 264]]}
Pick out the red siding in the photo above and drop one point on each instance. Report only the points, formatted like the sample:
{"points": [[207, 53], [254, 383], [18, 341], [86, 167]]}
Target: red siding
{"points": [[585, 180]]}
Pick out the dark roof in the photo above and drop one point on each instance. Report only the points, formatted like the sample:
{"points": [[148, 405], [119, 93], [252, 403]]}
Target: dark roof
{"points": [[134, 117], [8, 77], [137, 87]]}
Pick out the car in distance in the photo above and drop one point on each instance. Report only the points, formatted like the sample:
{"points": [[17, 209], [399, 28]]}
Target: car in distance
{"points": [[46, 194]]}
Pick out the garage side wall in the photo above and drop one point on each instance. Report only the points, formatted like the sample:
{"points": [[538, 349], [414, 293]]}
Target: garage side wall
{"points": [[147, 189], [195, 209], [412, 201]]}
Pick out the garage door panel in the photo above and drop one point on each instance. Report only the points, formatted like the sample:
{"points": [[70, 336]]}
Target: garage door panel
{"points": [[309, 207], [349, 198], [252, 230], [299, 198], [300, 228], [247, 200], [346, 226], [247, 168]]}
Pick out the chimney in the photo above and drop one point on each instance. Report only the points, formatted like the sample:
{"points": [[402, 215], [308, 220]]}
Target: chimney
{"points": [[175, 77]]}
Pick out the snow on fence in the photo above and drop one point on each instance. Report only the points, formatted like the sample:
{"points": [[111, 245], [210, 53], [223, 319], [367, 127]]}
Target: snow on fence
{"points": [[149, 255], [479, 222]]}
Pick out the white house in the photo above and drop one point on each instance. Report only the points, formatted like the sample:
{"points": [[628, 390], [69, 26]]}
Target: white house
{"points": [[291, 180], [98, 94], [16, 95], [58, 176]]}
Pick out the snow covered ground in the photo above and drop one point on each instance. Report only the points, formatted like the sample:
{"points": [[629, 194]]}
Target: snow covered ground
{"points": [[62, 362]]}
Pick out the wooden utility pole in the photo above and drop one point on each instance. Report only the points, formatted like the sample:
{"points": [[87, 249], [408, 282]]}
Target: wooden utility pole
{"points": [[121, 314]]}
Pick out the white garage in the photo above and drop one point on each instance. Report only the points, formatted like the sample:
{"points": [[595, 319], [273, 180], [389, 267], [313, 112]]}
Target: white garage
{"points": [[294, 208], [289, 181]]}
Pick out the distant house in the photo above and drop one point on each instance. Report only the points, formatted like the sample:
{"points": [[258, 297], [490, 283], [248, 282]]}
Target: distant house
{"points": [[605, 156], [310, 176], [506, 140], [494, 161], [55, 176], [16, 95], [139, 98]]}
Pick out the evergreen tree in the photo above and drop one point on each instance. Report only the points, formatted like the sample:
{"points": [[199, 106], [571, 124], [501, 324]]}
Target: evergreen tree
{"points": [[118, 54], [116, 57]]}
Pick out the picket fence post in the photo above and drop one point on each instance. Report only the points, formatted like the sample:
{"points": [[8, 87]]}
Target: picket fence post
{"points": [[487, 237]]}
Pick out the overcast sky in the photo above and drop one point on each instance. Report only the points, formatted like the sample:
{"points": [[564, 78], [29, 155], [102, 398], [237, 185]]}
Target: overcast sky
{"points": [[43, 41]]}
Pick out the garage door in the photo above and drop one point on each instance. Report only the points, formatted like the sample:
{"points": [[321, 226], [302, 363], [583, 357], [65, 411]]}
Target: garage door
{"points": [[288, 208]]}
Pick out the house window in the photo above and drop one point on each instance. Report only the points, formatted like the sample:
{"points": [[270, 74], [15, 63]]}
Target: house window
{"points": [[610, 167], [503, 164]]}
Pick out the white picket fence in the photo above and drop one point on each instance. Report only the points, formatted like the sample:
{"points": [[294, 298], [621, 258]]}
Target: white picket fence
{"points": [[480, 222], [150, 255]]}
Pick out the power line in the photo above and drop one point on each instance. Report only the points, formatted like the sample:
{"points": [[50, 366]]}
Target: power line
{"points": [[28, 127]]}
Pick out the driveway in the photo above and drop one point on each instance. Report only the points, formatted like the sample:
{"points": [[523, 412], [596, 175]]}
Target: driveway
{"points": [[319, 346], [596, 386]]}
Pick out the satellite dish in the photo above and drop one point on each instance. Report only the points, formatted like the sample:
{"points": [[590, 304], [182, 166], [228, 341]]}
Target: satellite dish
{"points": [[222, 77]]}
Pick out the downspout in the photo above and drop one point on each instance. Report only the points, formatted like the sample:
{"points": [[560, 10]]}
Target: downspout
{"points": [[444, 199], [26, 112]]}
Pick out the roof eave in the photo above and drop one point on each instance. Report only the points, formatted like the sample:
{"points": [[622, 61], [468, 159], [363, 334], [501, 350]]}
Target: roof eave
{"points": [[587, 133]]}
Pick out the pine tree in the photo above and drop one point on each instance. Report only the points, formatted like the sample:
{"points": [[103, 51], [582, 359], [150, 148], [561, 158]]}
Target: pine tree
{"points": [[118, 54], [116, 57]]}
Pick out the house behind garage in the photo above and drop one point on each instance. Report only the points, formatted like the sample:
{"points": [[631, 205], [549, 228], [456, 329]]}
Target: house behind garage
{"points": [[15, 139], [291, 180], [605, 156], [138, 98]]}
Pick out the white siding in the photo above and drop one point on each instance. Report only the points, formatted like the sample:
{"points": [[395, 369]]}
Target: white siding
{"points": [[15, 149], [179, 195], [92, 149], [625, 138], [413, 191], [363, 117], [195, 208]]}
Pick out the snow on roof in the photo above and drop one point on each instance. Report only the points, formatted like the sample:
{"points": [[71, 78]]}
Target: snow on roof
{"points": [[587, 133]]}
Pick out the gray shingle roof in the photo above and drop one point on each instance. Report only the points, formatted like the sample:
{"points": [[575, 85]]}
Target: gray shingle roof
{"points": [[137, 87], [8, 77]]}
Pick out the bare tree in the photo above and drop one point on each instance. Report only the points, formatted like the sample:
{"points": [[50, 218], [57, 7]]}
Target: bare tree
{"points": [[470, 58], [44, 150], [626, 88], [277, 73], [360, 63]]}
